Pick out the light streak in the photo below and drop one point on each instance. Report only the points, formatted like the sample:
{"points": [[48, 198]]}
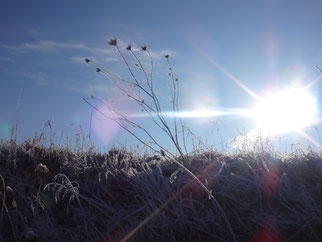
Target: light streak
{"points": [[198, 113], [313, 82], [305, 135], [230, 76]]}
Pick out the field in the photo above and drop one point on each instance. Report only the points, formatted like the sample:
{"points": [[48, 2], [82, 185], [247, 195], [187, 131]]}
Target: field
{"points": [[168, 121], [51, 192], [54, 193]]}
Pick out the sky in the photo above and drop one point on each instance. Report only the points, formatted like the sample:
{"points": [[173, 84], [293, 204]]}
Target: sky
{"points": [[227, 56]]}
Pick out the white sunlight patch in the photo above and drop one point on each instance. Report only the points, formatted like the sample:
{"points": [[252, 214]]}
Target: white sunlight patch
{"points": [[287, 111], [200, 113], [197, 113]]}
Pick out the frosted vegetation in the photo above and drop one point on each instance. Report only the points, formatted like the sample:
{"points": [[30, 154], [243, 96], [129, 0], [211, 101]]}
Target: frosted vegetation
{"points": [[88, 196], [51, 192]]}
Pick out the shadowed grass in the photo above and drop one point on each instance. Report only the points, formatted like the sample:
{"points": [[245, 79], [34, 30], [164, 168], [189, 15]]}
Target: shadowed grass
{"points": [[91, 196]]}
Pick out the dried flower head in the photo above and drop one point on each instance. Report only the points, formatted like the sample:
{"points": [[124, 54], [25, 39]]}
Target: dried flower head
{"points": [[41, 169], [143, 48], [98, 69], [9, 193], [9, 190], [166, 56], [162, 152], [113, 41], [128, 47], [87, 60], [10, 202]]}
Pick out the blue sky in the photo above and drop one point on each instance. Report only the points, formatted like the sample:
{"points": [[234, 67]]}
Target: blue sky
{"points": [[264, 44]]}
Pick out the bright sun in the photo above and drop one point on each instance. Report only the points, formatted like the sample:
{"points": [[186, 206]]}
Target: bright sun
{"points": [[287, 111]]}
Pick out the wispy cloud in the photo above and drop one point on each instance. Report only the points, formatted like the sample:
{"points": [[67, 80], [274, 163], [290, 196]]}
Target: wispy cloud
{"points": [[37, 78], [33, 32], [102, 56], [49, 45], [157, 55], [109, 53], [81, 60], [88, 89], [99, 88], [43, 45], [6, 59], [96, 86]]}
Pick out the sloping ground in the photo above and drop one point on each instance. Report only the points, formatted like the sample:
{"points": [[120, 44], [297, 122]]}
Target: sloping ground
{"points": [[87, 196]]}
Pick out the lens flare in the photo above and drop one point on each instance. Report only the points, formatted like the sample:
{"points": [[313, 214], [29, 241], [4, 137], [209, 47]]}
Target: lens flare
{"points": [[104, 126], [287, 111]]}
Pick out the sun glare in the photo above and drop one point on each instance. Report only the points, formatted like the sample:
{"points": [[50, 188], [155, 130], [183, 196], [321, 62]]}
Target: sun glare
{"points": [[287, 111]]}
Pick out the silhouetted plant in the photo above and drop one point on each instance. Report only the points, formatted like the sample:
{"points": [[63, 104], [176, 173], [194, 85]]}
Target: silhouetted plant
{"points": [[154, 111]]}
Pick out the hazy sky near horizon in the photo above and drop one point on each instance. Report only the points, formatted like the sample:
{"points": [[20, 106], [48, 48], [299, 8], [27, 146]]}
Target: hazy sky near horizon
{"points": [[265, 44]]}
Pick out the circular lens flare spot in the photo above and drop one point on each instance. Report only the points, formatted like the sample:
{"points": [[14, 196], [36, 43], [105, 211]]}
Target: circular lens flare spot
{"points": [[104, 126], [286, 111]]}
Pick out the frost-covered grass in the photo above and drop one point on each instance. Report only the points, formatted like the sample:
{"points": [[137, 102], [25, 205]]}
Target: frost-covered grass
{"points": [[120, 194]]}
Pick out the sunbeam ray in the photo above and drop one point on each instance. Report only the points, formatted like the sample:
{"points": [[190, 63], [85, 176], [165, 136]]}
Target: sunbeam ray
{"points": [[313, 82], [198, 113], [305, 135], [229, 75]]}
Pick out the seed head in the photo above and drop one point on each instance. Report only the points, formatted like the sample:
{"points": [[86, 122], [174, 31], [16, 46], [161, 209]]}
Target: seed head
{"points": [[87, 60], [10, 202], [98, 69], [113, 41], [143, 48], [162, 152], [128, 47], [41, 169], [9, 190], [9, 193], [166, 56]]}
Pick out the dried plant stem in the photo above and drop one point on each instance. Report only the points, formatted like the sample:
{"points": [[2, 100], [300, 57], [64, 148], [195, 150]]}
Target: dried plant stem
{"points": [[155, 111]]}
